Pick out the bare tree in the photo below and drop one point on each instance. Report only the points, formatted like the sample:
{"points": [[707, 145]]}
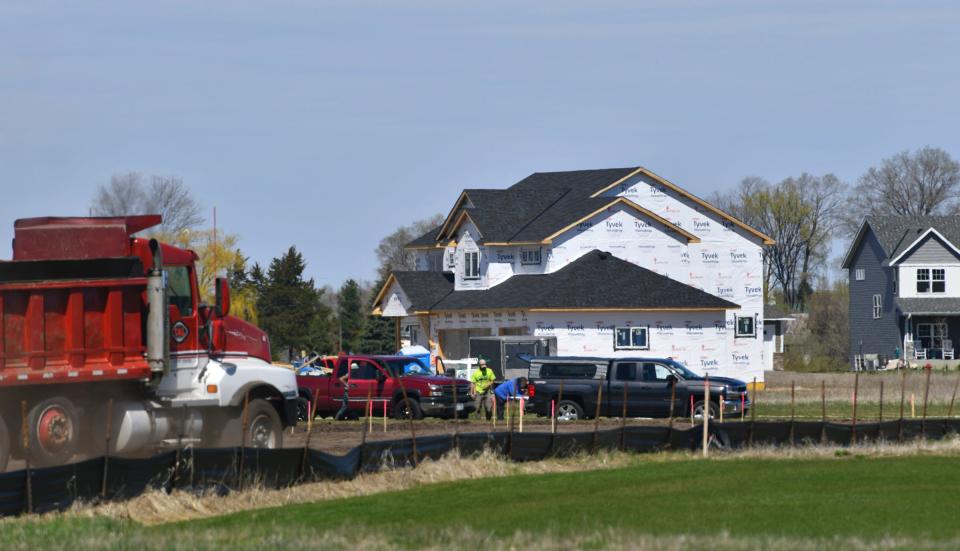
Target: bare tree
{"points": [[123, 195], [801, 215], [913, 184], [168, 196], [391, 252]]}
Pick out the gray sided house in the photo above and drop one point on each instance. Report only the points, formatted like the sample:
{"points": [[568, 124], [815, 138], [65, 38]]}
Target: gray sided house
{"points": [[904, 275]]}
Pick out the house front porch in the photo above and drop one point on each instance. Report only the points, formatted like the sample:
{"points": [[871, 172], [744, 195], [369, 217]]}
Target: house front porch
{"points": [[931, 339]]}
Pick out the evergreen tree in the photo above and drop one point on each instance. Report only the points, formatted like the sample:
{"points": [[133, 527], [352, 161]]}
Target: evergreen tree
{"points": [[379, 333], [351, 316], [288, 305]]}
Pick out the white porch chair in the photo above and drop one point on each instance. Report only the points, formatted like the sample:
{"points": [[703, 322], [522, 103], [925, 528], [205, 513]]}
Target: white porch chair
{"points": [[947, 349], [919, 352]]}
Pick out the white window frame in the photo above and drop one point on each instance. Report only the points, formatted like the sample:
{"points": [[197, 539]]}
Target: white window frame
{"points": [[860, 274], [736, 327], [936, 331], [938, 275], [531, 257], [877, 306], [469, 273], [634, 331]]}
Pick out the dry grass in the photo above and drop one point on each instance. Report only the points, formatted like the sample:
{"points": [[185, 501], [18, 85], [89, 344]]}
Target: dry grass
{"points": [[156, 507], [839, 386]]}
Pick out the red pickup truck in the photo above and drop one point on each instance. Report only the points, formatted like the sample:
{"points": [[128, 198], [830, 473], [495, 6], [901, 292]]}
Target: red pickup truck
{"points": [[381, 377]]}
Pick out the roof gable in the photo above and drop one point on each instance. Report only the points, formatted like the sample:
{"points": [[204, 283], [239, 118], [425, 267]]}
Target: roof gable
{"points": [[931, 246]]}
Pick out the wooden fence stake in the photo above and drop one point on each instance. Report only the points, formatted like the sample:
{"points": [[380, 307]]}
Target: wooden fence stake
{"points": [[243, 437], [753, 413], [413, 434], [369, 410], [926, 395], [856, 387], [692, 423], [106, 453], [706, 414], [623, 416], [954, 397], [385, 403], [596, 417], [793, 408], [913, 405], [25, 432], [823, 412], [903, 392], [306, 445], [881, 400], [508, 404]]}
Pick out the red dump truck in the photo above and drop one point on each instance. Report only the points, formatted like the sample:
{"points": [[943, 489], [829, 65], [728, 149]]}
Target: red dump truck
{"points": [[91, 315]]}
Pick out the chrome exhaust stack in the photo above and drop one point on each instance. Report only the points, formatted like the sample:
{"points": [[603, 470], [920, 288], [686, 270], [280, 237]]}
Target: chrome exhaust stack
{"points": [[158, 326]]}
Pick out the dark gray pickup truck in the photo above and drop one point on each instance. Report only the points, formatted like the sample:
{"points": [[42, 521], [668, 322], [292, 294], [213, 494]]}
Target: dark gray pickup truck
{"points": [[648, 383]]}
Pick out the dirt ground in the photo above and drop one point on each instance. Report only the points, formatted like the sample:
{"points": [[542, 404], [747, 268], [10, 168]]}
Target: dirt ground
{"points": [[340, 436]]}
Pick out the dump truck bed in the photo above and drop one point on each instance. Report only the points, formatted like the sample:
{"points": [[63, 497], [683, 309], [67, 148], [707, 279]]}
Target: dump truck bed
{"points": [[71, 321]]}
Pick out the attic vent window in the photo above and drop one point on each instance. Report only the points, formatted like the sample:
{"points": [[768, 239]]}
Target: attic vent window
{"points": [[530, 256]]}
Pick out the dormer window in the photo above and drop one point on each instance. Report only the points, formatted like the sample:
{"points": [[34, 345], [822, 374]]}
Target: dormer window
{"points": [[471, 265], [530, 256], [931, 280]]}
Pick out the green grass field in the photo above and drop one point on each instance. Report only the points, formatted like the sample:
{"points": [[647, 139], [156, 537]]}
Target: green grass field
{"points": [[906, 502]]}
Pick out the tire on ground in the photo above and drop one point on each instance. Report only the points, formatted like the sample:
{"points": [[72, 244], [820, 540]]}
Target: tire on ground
{"points": [[571, 410], [698, 409], [401, 412], [264, 429], [54, 427]]}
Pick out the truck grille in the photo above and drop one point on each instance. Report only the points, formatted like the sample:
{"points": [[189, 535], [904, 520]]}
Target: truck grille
{"points": [[463, 392]]}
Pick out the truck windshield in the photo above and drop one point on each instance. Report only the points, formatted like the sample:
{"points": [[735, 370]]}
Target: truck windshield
{"points": [[406, 366], [179, 289], [687, 374]]}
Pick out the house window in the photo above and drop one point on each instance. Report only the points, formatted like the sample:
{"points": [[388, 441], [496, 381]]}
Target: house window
{"points": [[471, 265], [877, 306], [860, 274], [451, 259], [435, 262], [746, 326], [931, 335], [530, 256], [931, 280], [631, 338]]}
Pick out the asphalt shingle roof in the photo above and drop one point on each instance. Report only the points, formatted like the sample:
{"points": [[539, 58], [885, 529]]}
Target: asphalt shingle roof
{"points": [[595, 280], [424, 289], [896, 233], [939, 305], [536, 206]]}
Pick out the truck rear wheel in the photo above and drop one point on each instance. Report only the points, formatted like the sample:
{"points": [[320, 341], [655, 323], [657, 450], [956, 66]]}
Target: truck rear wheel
{"points": [[4, 446], [407, 408], [54, 426], [568, 410]]}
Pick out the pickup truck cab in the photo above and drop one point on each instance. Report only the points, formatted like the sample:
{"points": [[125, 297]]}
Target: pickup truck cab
{"points": [[381, 377], [648, 383]]}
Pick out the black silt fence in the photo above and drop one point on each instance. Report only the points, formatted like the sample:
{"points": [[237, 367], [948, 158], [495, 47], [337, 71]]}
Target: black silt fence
{"points": [[218, 470]]}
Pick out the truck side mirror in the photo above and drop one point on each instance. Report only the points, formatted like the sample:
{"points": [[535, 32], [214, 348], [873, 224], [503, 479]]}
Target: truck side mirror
{"points": [[222, 287]]}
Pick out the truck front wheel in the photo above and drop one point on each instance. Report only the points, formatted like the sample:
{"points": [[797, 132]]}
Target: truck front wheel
{"points": [[4, 446], [265, 430], [53, 425], [698, 408]]}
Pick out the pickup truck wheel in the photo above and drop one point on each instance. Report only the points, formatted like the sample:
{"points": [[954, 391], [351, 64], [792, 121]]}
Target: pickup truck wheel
{"points": [[303, 409], [265, 429], [54, 426], [407, 408], [568, 410], [4, 446], [713, 412]]}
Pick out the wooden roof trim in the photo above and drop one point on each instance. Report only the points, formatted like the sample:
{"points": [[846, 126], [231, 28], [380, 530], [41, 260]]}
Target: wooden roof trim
{"points": [[767, 240], [456, 206], [624, 201], [383, 291], [456, 226]]}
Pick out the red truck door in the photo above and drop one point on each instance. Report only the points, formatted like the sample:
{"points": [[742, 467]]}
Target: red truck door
{"points": [[182, 294], [366, 379]]}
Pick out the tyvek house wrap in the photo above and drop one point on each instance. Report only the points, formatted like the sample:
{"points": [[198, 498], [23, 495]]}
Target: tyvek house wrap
{"points": [[727, 262]]}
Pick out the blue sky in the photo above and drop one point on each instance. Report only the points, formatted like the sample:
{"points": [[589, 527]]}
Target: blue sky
{"points": [[326, 125]]}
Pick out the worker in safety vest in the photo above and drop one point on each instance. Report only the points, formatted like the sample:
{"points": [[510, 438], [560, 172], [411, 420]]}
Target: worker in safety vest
{"points": [[481, 384]]}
